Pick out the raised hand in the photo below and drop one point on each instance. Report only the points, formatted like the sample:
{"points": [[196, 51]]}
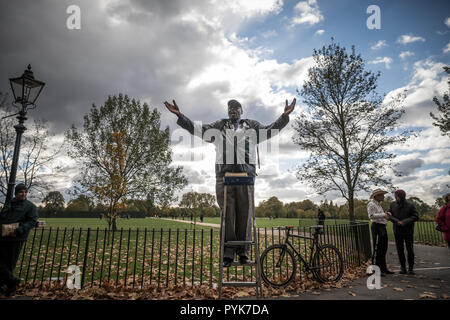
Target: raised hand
{"points": [[289, 108], [173, 107]]}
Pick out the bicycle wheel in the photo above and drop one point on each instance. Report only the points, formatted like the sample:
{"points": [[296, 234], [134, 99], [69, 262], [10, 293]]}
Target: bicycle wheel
{"points": [[327, 264], [278, 265]]}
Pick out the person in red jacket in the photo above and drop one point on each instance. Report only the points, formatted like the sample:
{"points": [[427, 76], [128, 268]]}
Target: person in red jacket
{"points": [[443, 219]]}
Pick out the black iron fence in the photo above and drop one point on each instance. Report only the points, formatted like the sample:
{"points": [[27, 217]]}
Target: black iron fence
{"points": [[424, 231], [141, 258]]}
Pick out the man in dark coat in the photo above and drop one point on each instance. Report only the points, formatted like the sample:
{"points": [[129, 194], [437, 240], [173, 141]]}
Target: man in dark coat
{"points": [[321, 217], [21, 211], [404, 214], [235, 157]]}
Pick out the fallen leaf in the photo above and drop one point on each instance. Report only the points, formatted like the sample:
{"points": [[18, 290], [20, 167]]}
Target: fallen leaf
{"points": [[434, 286], [429, 295], [315, 293], [398, 289], [352, 293], [410, 286]]}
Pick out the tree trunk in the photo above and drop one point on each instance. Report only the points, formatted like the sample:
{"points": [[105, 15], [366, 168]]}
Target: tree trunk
{"points": [[351, 206], [114, 225]]}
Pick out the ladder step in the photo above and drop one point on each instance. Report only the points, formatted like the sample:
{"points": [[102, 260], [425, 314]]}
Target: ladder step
{"points": [[239, 284], [238, 243]]}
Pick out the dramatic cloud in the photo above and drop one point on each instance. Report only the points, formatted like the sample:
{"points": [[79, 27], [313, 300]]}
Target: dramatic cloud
{"points": [[409, 38], [203, 53], [447, 22], [407, 167], [306, 12]]}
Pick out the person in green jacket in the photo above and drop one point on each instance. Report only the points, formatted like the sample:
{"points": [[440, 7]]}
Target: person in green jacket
{"points": [[22, 211]]}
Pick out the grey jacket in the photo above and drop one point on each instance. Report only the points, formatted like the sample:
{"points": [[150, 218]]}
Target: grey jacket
{"points": [[235, 149]]}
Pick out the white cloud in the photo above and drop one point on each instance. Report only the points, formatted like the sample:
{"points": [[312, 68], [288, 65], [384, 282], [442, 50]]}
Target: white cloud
{"points": [[250, 8], [428, 80], [319, 32], [307, 12], [409, 38], [386, 60], [447, 48], [380, 44], [269, 34], [405, 54], [447, 22]]}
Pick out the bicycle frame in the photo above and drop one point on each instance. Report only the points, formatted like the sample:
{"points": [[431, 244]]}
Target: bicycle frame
{"points": [[315, 244]]}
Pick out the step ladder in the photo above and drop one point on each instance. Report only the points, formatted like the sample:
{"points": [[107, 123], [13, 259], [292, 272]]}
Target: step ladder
{"points": [[229, 180]]}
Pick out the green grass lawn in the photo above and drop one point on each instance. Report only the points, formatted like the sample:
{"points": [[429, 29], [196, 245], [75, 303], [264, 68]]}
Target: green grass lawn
{"points": [[424, 231], [95, 223], [269, 223]]}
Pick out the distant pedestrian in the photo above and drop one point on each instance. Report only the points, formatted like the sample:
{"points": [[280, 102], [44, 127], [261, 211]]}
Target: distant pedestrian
{"points": [[443, 219], [201, 217], [404, 215], [321, 217], [378, 220], [17, 218]]}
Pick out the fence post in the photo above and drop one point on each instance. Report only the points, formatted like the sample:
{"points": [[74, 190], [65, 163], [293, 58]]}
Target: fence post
{"points": [[354, 231], [85, 257]]}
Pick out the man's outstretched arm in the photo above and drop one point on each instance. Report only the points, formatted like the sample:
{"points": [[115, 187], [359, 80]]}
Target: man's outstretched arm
{"points": [[279, 124], [185, 122], [173, 108]]}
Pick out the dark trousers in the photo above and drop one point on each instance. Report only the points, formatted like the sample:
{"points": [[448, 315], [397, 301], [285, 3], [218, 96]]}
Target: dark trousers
{"points": [[9, 254], [238, 219], [380, 245], [400, 241]]}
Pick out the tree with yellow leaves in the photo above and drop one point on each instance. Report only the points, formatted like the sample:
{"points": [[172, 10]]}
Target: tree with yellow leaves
{"points": [[124, 155]]}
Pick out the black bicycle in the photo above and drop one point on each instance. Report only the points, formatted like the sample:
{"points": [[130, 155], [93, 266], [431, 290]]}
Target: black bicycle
{"points": [[279, 265]]}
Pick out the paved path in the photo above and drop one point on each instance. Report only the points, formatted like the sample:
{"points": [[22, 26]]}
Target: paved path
{"points": [[214, 225], [432, 280]]}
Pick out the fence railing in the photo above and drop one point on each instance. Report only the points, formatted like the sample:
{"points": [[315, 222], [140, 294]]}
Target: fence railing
{"points": [[424, 231], [142, 258]]}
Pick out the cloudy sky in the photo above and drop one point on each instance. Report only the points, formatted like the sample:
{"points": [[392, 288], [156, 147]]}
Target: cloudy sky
{"points": [[203, 53]]}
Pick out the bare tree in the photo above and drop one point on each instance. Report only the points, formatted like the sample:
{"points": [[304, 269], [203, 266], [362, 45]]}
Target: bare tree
{"points": [[36, 156], [347, 127]]}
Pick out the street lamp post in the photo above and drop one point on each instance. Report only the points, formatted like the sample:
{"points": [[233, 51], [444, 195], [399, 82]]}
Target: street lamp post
{"points": [[26, 90]]}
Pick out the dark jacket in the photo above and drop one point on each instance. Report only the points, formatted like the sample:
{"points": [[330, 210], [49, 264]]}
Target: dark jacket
{"points": [[321, 215], [24, 212], [406, 212], [248, 134]]}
